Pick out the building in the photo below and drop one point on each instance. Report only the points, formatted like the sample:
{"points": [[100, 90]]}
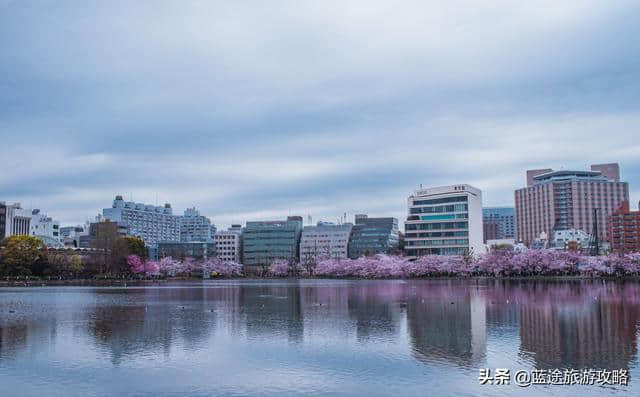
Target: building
{"points": [[573, 239], [16, 220], [370, 236], [195, 227], [151, 223], [623, 229], [561, 200], [444, 220], [267, 241], [70, 235], [326, 240], [498, 223], [229, 244], [44, 226], [200, 250]]}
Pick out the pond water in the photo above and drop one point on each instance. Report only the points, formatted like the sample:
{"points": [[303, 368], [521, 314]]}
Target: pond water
{"points": [[315, 337]]}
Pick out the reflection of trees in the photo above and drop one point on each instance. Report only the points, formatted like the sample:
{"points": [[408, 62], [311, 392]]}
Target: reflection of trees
{"points": [[560, 324], [16, 336], [151, 319], [13, 337]]}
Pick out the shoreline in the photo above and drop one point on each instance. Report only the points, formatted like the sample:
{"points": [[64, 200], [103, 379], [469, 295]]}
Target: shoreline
{"points": [[164, 281]]}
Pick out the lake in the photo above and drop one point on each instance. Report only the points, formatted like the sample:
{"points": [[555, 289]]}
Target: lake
{"points": [[316, 337]]}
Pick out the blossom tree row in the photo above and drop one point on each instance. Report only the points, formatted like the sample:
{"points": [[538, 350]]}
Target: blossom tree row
{"points": [[500, 263], [172, 267]]}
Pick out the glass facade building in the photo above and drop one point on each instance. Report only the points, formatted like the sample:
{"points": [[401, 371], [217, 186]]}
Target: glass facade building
{"points": [[499, 223], [191, 249], [267, 241], [370, 236]]}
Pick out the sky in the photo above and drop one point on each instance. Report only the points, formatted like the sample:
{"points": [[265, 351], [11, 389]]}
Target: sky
{"points": [[257, 110]]}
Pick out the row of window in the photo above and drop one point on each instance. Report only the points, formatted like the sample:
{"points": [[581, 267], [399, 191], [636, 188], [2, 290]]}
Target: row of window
{"points": [[437, 242], [437, 226], [457, 199], [439, 209], [438, 234]]}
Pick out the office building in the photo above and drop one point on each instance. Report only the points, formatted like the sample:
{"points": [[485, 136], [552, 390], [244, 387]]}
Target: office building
{"points": [[195, 227], [151, 223], [623, 229], [16, 220], [267, 241], [229, 244], [325, 240], [370, 236], [200, 250], [561, 200], [444, 220], [498, 223]]}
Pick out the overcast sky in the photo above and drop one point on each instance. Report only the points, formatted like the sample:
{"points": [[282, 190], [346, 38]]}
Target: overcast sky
{"points": [[258, 110]]}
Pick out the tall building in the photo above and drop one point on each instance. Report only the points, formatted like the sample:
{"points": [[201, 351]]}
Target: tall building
{"points": [[560, 200], [623, 229], [149, 222], [195, 227], [498, 223], [267, 241], [17, 220], [325, 240], [445, 220], [229, 244], [44, 226], [370, 236]]}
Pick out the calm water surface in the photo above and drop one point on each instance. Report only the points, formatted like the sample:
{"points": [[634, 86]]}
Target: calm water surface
{"points": [[268, 338]]}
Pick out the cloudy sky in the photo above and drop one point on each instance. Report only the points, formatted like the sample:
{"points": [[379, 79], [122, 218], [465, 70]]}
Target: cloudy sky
{"points": [[257, 110]]}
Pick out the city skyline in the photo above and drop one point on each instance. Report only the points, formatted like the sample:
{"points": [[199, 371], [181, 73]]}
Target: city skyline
{"points": [[264, 111]]}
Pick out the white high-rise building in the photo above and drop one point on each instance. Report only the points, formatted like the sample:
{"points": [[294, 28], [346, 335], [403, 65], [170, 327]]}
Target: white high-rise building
{"points": [[229, 244], [195, 227], [445, 220], [325, 240], [149, 222]]}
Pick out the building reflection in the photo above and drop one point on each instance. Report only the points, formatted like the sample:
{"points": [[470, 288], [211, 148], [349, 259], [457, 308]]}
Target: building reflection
{"points": [[579, 325], [559, 324], [272, 310], [447, 321]]}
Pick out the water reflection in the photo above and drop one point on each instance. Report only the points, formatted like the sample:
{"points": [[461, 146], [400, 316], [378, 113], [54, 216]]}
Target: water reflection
{"points": [[427, 324]]}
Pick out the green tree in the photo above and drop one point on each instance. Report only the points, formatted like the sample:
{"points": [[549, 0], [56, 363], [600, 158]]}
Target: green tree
{"points": [[20, 254], [75, 265], [135, 246]]}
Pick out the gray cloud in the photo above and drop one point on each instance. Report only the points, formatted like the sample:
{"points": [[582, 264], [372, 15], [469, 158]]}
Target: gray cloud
{"points": [[258, 110]]}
